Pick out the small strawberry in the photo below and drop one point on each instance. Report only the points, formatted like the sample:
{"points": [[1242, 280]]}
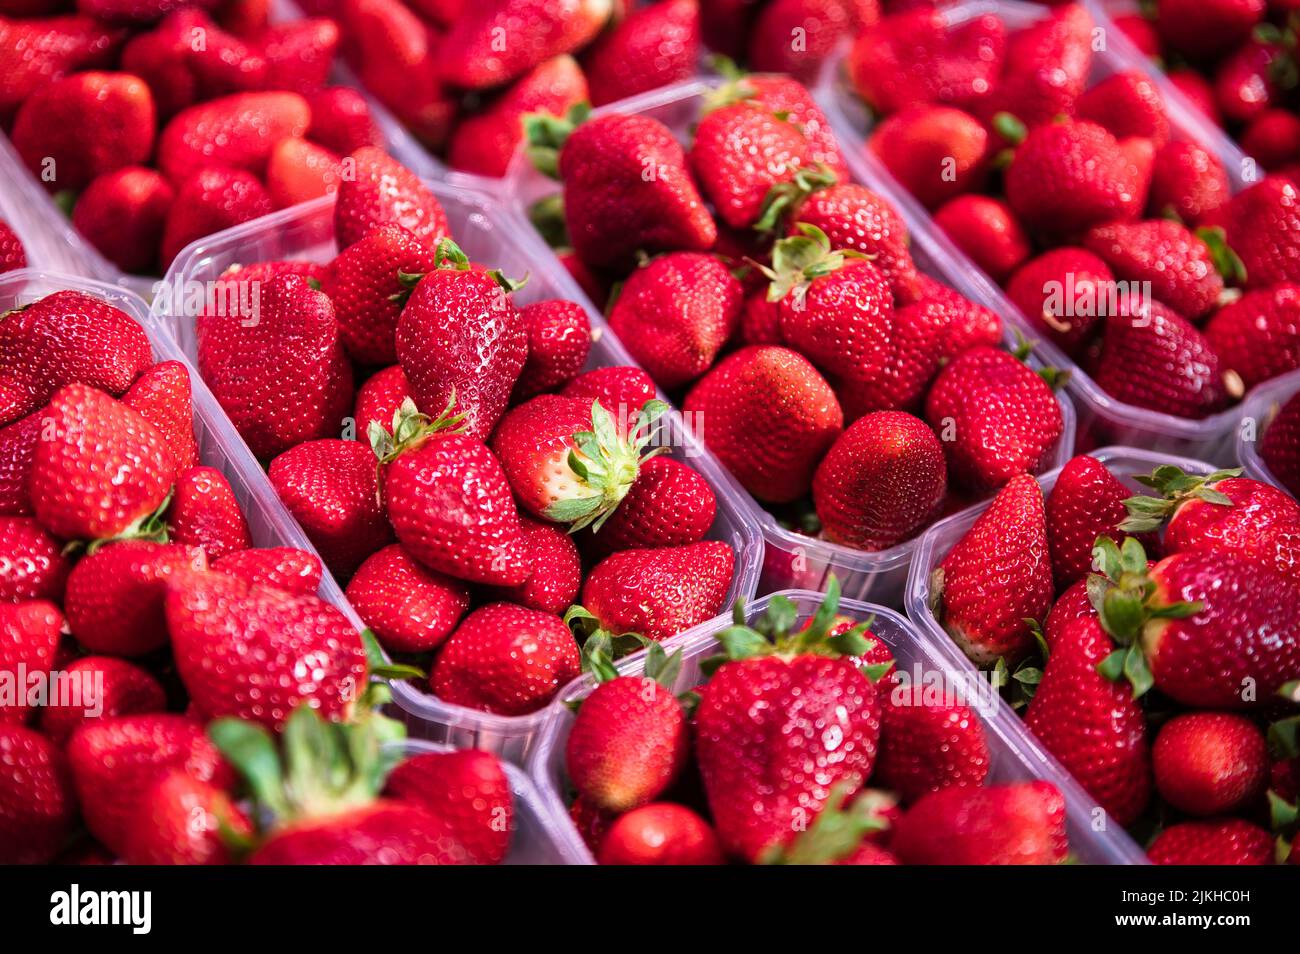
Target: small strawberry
{"points": [[299, 54], [29, 637], [379, 399], [35, 52], [1188, 182], [18, 443], [798, 36], [102, 688], [123, 213], [161, 395], [1280, 446], [559, 339], [298, 171], [184, 821], [1210, 763], [492, 44], [591, 823], [1063, 293], [987, 231], [662, 833], [668, 505], [382, 191], [32, 563], [925, 748], [37, 804], [1273, 138], [411, 609], [341, 121], [1127, 104], [468, 791], [1086, 502], [557, 569], [1226, 841], [1178, 265], [12, 254], [285, 568], [652, 46], [620, 389], [209, 201], [204, 513], [935, 152], [235, 132], [1011, 824], [1260, 225], [1257, 337]]}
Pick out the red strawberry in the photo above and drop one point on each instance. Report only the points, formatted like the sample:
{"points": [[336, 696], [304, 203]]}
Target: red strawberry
{"points": [[1047, 68], [32, 564], [623, 391], [1063, 293], [881, 482], [1073, 604], [786, 96], [506, 659], [182, 820], [925, 748], [102, 688], [1188, 182], [1177, 264], [769, 417], [1203, 29], [382, 832], [591, 823], [411, 609], [29, 637], [1127, 104], [1210, 763], [997, 576], [122, 214], [17, 451], [381, 191], [1086, 502], [1092, 725], [987, 231], [298, 171], [299, 54], [284, 568], [557, 569], [331, 488], [37, 804], [1011, 824], [274, 361], [468, 792], [100, 468], [935, 152], [1258, 335], [204, 513], [741, 151], [1197, 90], [1280, 446], [161, 395], [1226, 841], [33, 53], [209, 201], [491, 44], [798, 36], [668, 505], [1273, 138], [652, 46], [231, 132], [662, 833], [12, 254], [341, 121], [1260, 224], [559, 339], [675, 314]]}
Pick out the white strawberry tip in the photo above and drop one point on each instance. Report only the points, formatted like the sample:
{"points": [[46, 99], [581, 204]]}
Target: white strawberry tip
{"points": [[799, 259]]}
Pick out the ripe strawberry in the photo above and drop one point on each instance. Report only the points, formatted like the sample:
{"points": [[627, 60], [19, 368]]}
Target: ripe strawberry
{"points": [[658, 593], [274, 361], [935, 152], [1280, 446], [557, 569], [997, 576], [101, 687], [1257, 336], [1093, 726], [1203, 30], [17, 451], [1259, 225], [491, 44], [784, 95], [630, 738], [881, 482], [66, 338], [987, 231], [784, 721], [1063, 293], [1210, 763], [798, 36], [12, 254], [298, 171], [1016, 823], [1226, 841], [32, 563], [741, 152], [612, 209], [380, 192], [37, 804], [209, 201], [381, 832], [115, 762], [1197, 90], [1086, 502], [1177, 263], [662, 833], [299, 54], [1127, 104], [379, 399], [623, 391], [285, 568], [161, 395], [1187, 181], [184, 821], [204, 513], [1067, 177], [341, 121], [449, 502], [122, 214], [34, 53], [331, 488], [1273, 138], [506, 659], [1047, 67], [591, 822], [668, 505], [1073, 604], [411, 609], [29, 637], [468, 792], [115, 595], [239, 648], [675, 314], [235, 132], [653, 46], [559, 339], [925, 748], [100, 470], [770, 419]]}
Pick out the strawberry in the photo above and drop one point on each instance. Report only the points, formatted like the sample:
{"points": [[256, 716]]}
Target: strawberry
{"points": [[786, 96], [66, 338], [557, 569], [12, 254], [448, 500], [997, 576], [1140, 31], [882, 480], [1127, 104], [620, 389], [1197, 90], [1259, 224], [935, 152], [1063, 293], [559, 339], [102, 688], [298, 171], [330, 486], [382, 832], [341, 121], [925, 748], [485, 142], [784, 720], [379, 399], [37, 804], [115, 595], [182, 820], [239, 648], [204, 513], [399, 61], [668, 505], [161, 395], [662, 833], [1072, 604], [1188, 182], [274, 361], [1067, 177], [381, 191], [209, 201], [285, 568], [1093, 726], [1280, 446], [506, 659], [32, 563], [658, 593], [760, 319], [1086, 502], [235, 132], [468, 791], [987, 231], [630, 738], [1016, 823], [798, 36], [411, 609], [34, 53], [1225, 841], [675, 314], [651, 47], [1203, 30], [29, 637], [100, 470], [122, 214], [115, 762], [770, 419], [1257, 336], [299, 54], [1210, 763], [1177, 264], [491, 44], [1047, 67], [17, 450], [591, 822], [1273, 138], [611, 208]]}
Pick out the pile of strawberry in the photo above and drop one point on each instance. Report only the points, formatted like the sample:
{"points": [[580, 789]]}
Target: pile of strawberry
{"points": [[784, 309], [799, 745], [477, 481], [1157, 640], [156, 123], [1071, 196]]}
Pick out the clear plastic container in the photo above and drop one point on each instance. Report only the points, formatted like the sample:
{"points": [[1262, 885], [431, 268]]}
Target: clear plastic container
{"points": [[793, 560], [490, 233], [1014, 754], [1257, 414], [1101, 418]]}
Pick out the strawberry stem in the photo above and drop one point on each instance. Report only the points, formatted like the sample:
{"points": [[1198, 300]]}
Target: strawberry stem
{"points": [[1175, 487]]}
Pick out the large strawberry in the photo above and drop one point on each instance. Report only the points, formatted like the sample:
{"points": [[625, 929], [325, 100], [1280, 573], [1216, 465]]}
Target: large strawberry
{"points": [[468, 791], [211, 200], [37, 803], [284, 568], [1177, 263], [410, 608], [935, 152], [1257, 337], [786, 96], [1047, 68], [1225, 841], [798, 36], [1086, 502], [381, 191], [1010, 824], [661, 833], [184, 821], [653, 46], [123, 214], [1210, 763], [29, 638], [1260, 224], [741, 152], [493, 43], [35, 567], [34, 52], [233, 132]]}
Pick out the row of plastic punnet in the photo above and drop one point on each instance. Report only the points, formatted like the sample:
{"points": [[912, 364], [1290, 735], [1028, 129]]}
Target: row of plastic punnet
{"points": [[794, 560], [1102, 419], [1014, 756], [1257, 415], [493, 235], [538, 839]]}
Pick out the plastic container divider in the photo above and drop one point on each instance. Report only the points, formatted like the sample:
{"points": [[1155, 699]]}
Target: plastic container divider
{"points": [[793, 560], [1257, 414], [1101, 418], [492, 234], [1013, 755]]}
